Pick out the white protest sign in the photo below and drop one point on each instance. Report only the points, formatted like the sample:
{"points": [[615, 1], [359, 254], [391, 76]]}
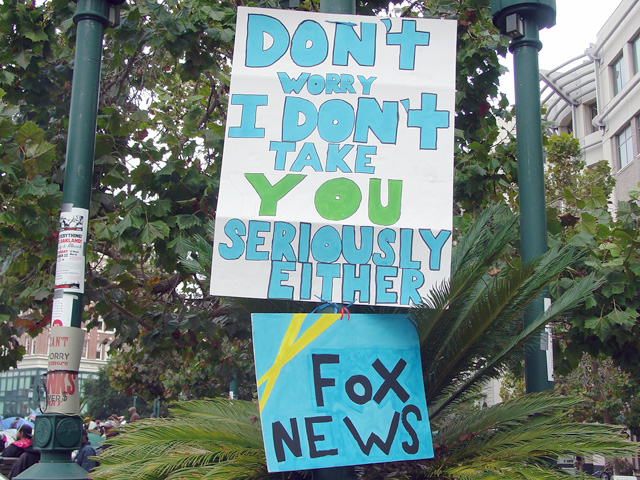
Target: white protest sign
{"points": [[337, 173]]}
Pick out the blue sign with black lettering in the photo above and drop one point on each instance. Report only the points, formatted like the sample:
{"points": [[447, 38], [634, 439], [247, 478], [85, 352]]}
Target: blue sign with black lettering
{"points": [[339, 389]]}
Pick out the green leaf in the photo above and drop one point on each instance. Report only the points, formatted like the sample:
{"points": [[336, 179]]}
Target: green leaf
{"points": [[139, 116], [154, 230], [7, 77], [187, 221], [36, 187], [582, 239], [160, 208], [39, 158], [28, 132], [590, 302], [129, 220], [36, 35], [613, 248], [114, 178], [23, 58], [635, 268], [613, 288], [7, 128], [626, 318], [601, 326], [102, 230], [588, 223]]}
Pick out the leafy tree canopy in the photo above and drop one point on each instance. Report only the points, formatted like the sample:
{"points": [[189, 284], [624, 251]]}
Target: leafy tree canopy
{"points": [[163, 97], [469, 330], [102, 400], [579, 214]]}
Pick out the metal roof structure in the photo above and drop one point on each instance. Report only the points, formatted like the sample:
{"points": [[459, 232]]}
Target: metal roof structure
{"points": [[562, 90]]}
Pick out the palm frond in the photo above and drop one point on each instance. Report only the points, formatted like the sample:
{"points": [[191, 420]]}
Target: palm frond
{"points": [[519, 439], [212, 434], [491, 365], [507, 413], [219, 409], [469, 330], [199, 255], [472, 257]]}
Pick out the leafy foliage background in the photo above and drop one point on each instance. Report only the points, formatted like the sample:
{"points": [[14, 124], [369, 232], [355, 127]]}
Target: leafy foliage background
{"points": [[160, 132]]}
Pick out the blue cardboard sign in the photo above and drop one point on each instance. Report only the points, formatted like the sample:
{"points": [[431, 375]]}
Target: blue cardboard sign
{"points": [[338, 390]]}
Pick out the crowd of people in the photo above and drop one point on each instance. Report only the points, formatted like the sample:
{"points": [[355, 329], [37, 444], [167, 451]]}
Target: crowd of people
{"points": [[21, 445]]}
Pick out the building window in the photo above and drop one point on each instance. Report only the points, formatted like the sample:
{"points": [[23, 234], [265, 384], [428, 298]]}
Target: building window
{"points": [[593, 113], [625, 146], [636, 54], [99, 351], [619, 75], [84, 349]]}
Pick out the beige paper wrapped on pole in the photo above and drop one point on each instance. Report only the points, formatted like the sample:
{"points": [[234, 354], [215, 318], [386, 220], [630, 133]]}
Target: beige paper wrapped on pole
{"points": [[65, 351]]}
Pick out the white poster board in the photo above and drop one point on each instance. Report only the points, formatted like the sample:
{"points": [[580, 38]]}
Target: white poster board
{"points": [[337, 174]]}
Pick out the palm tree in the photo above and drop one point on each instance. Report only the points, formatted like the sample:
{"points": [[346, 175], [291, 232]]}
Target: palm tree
{"points": [[470, 330]]}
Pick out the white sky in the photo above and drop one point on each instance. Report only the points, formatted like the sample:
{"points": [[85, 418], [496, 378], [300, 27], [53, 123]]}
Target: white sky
{"points": [[577, 24]]}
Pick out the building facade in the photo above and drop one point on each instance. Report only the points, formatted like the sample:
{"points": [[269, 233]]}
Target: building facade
{"points": [[596, 97], [22, 388]]}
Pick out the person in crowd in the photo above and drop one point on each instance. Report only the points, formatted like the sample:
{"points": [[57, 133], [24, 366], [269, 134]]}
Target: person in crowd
{"points": [[114, 418], [14, 424], [23, 440], [110, 428], [134, 415], [99, 428], [86, 452], [3, 442], [29, 457]]}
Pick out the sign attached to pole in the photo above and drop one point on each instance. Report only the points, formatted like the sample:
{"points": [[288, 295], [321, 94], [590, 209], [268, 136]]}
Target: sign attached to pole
{"points": [[337, 175], [63, 389], [339, 390]]}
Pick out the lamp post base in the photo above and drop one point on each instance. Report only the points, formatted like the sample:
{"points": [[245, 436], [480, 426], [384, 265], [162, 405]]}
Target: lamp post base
{"points": [[56, 435]]}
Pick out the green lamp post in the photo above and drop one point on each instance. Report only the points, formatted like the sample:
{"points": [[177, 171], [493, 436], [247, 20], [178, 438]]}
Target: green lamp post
{"points": [[58, 431], [522, 20]]}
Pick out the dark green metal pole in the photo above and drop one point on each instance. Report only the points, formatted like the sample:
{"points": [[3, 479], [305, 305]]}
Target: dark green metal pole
{"points": [[522, 20], [91, 17], [338, 6], [58, 431], [533, 226]]}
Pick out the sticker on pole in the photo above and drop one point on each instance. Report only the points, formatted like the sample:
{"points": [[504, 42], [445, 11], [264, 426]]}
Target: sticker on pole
{"points": [[338, 390], [337, 171], [72, 239], [62, 309]]}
